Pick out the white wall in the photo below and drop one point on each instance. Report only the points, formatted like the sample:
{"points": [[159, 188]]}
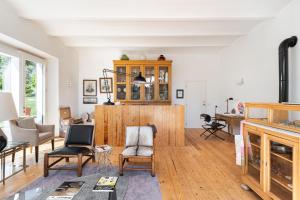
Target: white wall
{"points": [[255, 58], [189, 64], [31, 37]]}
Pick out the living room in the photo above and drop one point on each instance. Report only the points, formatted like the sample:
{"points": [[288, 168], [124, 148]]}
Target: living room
{"points": [[215, 84]]}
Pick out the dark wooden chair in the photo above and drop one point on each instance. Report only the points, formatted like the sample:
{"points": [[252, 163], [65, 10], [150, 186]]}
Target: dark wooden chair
{"points": [[79, 143], [212, 126]]}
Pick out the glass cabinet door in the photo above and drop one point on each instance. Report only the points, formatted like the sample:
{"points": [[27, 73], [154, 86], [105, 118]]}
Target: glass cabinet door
{"points": [[281, 169], [253, 157], [121, 83], [135, 89], [163, 79], [149, 86]]}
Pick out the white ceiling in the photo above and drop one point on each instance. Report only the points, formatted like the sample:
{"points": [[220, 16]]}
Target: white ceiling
{"points": [[154, 23]]}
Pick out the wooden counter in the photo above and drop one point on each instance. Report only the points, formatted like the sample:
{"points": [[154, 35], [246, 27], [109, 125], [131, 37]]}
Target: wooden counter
{"points": [[111, 122]]}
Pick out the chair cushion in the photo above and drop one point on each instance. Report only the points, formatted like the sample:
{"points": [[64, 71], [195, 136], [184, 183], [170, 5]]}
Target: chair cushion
{"points": [[70, 151], [27, 122], [45, 136], [131, 136], [145, 151], [129, 151], [146, 136]]}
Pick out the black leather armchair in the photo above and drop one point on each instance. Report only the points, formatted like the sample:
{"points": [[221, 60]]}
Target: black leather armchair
{"points": [[78, 143]]}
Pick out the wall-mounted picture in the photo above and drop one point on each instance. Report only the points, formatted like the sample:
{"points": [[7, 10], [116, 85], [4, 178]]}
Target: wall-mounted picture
{"points": [[180, 94], [90, 100], [89, 87], [106, 85]]}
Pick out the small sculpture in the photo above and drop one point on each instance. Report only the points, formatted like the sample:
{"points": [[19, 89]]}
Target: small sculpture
{"points": [[161, 58], [124, 57]]}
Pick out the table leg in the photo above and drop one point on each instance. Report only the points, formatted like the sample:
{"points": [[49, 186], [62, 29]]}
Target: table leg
{"points": [[3, 168], [113, 195], [24, 158]]}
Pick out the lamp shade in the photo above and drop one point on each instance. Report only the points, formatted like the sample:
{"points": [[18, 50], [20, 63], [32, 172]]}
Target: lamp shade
{"points": [[7, 107], [139, 79]]}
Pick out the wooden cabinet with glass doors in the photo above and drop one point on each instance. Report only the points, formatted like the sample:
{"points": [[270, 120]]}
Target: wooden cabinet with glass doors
{"points": [[158, 76], [272, 159]]}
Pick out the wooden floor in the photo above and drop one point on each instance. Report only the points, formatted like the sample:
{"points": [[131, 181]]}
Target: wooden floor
{"points": [[203, 169]]}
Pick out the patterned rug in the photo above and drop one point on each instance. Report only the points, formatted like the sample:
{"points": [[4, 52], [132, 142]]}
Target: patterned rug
{"points": [[134, 185]]}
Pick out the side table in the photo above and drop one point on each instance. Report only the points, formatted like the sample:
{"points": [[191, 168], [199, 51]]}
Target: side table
{"points": [[12, 148], [102, 154]]}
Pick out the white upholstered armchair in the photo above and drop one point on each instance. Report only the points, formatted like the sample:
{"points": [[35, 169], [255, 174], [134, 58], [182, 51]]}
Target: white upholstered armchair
{"points": [[139, 144], [35, 134]]}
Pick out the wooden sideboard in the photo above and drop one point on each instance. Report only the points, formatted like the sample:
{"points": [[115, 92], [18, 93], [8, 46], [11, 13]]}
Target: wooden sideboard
{"points": [[158, 75], [111, 122]]}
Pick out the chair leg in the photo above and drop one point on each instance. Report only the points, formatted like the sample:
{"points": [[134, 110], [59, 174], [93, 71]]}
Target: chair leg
{"points": [[79, 165], [46, 164], [67, 159], [203, 132], [52, 144], [121, 165], [13, 157], [153, 166], [36, 154], [93, 158]]}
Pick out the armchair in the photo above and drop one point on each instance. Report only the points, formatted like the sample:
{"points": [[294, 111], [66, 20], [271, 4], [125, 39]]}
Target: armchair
{"points": [[139, 145], [66, 120], [35, 135]]}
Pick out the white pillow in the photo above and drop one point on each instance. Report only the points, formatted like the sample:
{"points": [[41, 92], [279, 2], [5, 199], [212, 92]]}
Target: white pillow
{"points": [[131, 136], [27, 122]]}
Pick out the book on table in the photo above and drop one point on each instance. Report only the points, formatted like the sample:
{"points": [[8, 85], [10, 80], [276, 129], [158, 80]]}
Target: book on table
{"points": [[66, 191], [106, 184]]}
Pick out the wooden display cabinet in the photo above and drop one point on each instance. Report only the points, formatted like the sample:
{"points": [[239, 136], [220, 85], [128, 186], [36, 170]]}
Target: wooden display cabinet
{"points": [[158, 75], [271, 165]]}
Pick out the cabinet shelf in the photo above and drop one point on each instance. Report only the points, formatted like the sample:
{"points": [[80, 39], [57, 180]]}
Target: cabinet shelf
{"points": [[281, 181], [282, 157], [255, 145], [254, 166]]}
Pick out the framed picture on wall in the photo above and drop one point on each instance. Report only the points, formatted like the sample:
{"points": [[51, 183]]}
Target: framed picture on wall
{"points": [[89, 87], [179, 93], [90, 100], [106, 85]]}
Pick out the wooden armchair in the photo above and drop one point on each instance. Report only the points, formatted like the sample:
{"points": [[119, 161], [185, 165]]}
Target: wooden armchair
{"points": [[66, 120], [139, 147]]}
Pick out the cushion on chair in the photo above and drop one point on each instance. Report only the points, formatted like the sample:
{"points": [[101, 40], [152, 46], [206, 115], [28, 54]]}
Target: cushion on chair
{"points": [[129, 151], [45, 136], [131, 136], [70, 151], [27, 123], [146, 136], [80, 135], [145, 151]]}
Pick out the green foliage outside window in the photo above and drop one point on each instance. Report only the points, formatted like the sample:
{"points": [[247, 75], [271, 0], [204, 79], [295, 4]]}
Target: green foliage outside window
{"points": [[4, 60]]}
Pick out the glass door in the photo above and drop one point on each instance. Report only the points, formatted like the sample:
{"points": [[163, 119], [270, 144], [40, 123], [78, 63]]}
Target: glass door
{"points": [[34, 90], [253, 156], [163, 79], [149, 86], [281, 160], [135, 89], [121, 83]]}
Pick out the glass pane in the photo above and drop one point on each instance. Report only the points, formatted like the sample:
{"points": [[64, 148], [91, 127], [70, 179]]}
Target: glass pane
{"points": [[150, 78], [121, 78], [254, 156], [135, 92], [4, 62], [121, 91], [163, 91], [163, 75], [281, 170], [30, 89], [134, 71]]}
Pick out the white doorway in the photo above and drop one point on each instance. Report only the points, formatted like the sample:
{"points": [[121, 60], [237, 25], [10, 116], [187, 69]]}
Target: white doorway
{"points": [[195, 103]]}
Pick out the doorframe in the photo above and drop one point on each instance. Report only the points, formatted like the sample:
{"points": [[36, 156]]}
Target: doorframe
{"points": [[187, 117]]}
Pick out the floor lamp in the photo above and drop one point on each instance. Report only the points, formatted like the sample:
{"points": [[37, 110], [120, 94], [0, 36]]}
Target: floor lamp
{"points": [[138, 79], [7, 112]]}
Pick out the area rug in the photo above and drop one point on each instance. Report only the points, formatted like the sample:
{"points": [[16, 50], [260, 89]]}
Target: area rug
{"points": [[134, 185]]}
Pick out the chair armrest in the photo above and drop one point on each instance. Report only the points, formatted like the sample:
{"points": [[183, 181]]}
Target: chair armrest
{"points": [[45, 128], [25, 135]]}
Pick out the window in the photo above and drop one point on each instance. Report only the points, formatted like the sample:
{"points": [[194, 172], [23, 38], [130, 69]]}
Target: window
{"points": [[4, 79]]}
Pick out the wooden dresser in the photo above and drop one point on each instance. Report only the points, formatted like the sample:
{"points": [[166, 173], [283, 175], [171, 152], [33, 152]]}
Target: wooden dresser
{"points": [[272, 155]]}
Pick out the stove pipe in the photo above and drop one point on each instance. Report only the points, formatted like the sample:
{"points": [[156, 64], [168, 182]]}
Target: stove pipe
{"points": [[284, 67]]}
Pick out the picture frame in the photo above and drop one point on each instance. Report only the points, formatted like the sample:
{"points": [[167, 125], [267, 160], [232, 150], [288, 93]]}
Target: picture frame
{"points": [[103, 85], [179, 93], [90, 100], [89, 87]]}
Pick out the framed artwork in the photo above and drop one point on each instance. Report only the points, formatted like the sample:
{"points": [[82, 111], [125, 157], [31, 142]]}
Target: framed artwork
{"points": [[90, 100], [106, 85], [180, 94], [89, 87]]}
